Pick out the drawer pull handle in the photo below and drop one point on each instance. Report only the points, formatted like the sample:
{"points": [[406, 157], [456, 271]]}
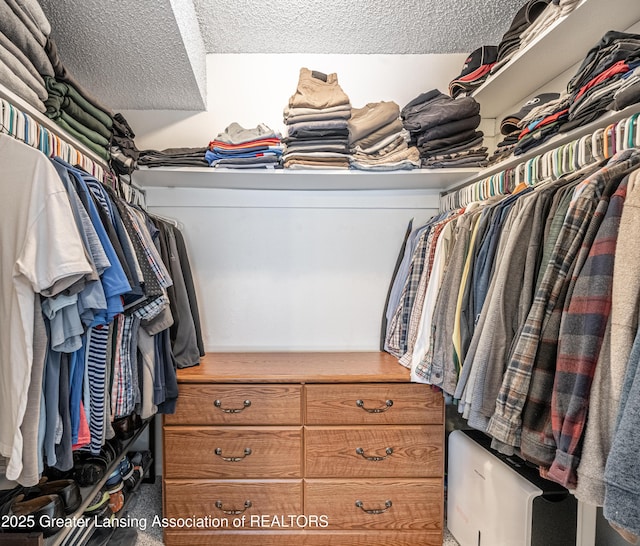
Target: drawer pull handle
{"points": [[247, 504], [218, 452], [386, 406], [387, 505], [218, 404], [388, 452]]}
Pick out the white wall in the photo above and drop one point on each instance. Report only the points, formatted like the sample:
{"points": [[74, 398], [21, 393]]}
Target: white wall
{"points": [[292, 270], [252, 89]]}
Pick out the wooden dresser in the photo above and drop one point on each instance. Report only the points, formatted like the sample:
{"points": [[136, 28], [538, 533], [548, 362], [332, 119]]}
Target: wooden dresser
{"points": [[321, 449]]}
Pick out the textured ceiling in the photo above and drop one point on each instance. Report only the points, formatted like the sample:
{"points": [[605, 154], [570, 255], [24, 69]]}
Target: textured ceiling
{"points": [[354, 26], [152, 54], [132, 55]]}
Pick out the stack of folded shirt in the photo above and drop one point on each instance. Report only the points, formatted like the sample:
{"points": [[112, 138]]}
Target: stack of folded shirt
{"points": [[603, 72], [68, 107], [511, 40], [445, 130], [511, 125], [475, 71], [542, 122], [240, 148], [173, 157], [590, 93], [378, 141], [124, 154], [24, 30], [317, 122], [554, 11]]}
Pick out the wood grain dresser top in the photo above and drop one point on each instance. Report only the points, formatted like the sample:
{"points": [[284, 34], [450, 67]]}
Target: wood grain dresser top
{"points": [[296, 367]]}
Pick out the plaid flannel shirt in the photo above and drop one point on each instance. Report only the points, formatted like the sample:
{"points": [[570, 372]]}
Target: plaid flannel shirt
{"points": [[505, 424], [584, 322]]}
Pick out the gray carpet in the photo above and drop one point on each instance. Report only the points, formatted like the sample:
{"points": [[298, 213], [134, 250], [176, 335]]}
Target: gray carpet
{"points": [[146, 505]]}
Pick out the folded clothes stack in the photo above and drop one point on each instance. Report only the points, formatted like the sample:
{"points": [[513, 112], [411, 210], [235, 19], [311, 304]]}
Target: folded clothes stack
{"points": [[173, 157], [317, 122], [511, 40], [606, 74], [91, 125], [378, 141], [475, 71], [542, 122], [124, 154], [511, 125], [532, 19], [554, 11], [76, 110], [604, 71], [24, 31], [240, 148], [445, 130]]}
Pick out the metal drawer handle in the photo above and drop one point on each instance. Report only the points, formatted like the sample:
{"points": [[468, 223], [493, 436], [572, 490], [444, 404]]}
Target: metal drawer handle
{"points": [[388, 452], [218, 452], [387, 405], [218, 404], [247, 504], [387, 505]]}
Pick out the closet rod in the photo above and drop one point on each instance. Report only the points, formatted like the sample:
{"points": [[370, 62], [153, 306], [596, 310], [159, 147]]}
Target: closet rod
{"points": [[553, 143], [51, 126]]}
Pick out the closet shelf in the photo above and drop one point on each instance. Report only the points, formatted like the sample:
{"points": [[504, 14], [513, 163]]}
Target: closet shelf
{"points": [[283, 179], [50, 125], [564, 44], [555, 142]]}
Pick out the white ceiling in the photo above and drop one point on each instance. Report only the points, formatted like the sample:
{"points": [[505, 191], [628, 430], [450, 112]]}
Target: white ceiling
{"points": [[151, 54]]}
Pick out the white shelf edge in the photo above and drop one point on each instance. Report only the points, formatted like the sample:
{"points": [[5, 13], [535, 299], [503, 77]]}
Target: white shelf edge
{"points": [[557, 140], [509, 80], [51, 126], [302, 180]]}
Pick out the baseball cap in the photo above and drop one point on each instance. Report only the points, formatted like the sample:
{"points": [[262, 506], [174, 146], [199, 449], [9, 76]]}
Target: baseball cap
{"points": [[475, 69], [510, 123]]}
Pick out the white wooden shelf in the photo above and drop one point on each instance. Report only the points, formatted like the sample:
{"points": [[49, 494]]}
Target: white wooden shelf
{"points": [[305, 180], [563, 45]]}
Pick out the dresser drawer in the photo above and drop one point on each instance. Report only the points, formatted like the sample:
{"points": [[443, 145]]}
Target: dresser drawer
{"points": [[237, 405], [367, 452], [373, 404], [385, 504], [254, 503], [233, 452]]}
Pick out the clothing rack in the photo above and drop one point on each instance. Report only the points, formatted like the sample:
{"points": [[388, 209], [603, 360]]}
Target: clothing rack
{"points": [[22, 121], [562, 155], [19, 120]]}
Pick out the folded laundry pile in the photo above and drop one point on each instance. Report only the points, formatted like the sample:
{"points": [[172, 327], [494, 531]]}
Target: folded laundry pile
{"points": [[174, 157], [475, 71], [378, 141], [24, 31], [90, 124], [445, 130], [604, 80], [533, 18], [511, 40], [511, 125], [605, 69], [317, 123], [240, 148]]}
